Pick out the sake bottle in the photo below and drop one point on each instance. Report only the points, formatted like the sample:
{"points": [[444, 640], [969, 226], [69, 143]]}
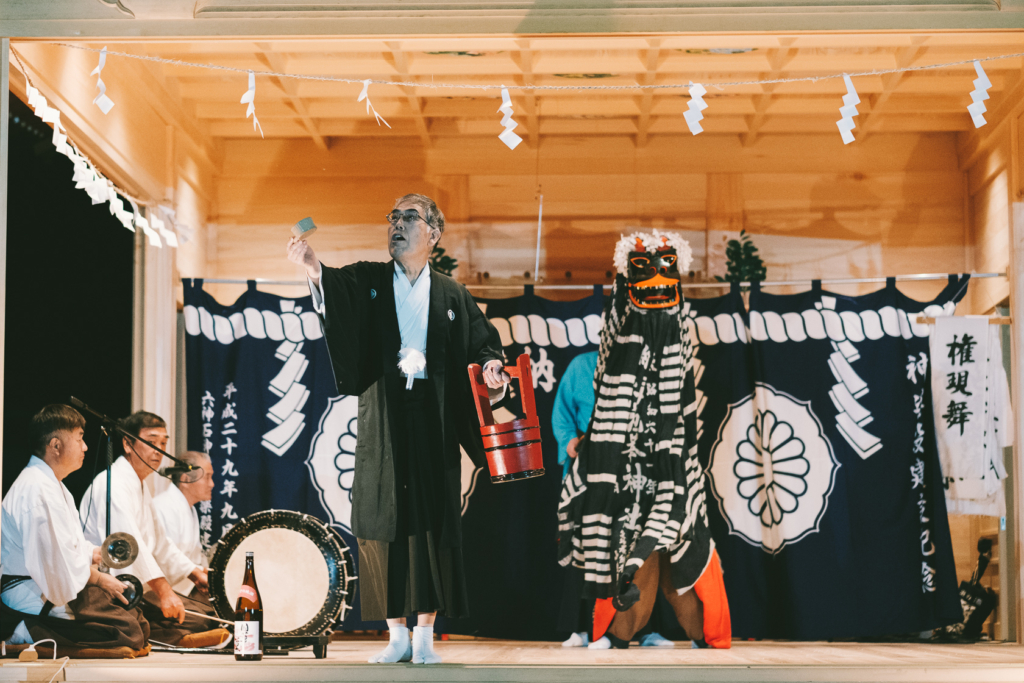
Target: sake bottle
{"points": [[249, 617]]}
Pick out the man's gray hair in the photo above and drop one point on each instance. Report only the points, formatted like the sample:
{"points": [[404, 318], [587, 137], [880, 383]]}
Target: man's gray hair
{"points": [[194, 458], [431, 213]]}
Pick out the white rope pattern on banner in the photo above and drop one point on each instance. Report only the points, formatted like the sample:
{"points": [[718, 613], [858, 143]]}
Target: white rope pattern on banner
{"points": [[498, 86]]}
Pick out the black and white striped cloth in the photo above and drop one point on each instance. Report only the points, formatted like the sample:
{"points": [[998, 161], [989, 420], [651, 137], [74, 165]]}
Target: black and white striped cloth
{"points": [[637, 486]]}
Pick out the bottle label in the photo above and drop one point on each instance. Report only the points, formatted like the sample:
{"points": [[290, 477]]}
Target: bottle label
{"points": [[247, 592], [247, 637]]}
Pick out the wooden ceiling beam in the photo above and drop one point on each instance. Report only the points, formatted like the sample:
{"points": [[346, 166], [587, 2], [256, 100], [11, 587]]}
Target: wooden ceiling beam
{"points": [[400, 60], [651, 58], [275, 61], [777, 59], [524, 59], [905, 56]]}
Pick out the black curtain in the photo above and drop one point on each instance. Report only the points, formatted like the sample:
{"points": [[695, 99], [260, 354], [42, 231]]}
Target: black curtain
{"points": [[69, 297]]}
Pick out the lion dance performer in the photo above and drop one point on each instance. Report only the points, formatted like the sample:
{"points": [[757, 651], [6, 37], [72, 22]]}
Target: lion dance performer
{"points": [[632, 512]]}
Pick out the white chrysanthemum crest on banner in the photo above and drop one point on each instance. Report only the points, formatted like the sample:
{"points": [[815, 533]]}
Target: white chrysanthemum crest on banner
{"points": [[695, 106], [652, 241], [249, 97], [507, 136], [365, 95], [978, 96], [102, 101], [848, 111]]}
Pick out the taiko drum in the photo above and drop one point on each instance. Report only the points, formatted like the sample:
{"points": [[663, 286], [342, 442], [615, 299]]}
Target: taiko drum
{"points": [[513, 448]]}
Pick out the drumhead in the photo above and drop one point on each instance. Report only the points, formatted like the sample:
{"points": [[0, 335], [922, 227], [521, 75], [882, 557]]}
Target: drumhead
{"points": [[303, 571]]}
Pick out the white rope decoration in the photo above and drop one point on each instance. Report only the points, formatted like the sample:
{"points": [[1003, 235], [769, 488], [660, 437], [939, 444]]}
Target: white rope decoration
{"points": [[485, 87], [848, 110], [365, 95], [695, 106], [507, 136], [86, 175], [980, 93], [102, 101], [249, 96]]}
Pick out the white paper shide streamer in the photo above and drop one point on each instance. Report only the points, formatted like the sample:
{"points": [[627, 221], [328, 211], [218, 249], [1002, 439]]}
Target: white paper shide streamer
{"points": [[102, 101], [142, 223], [411, 362], [848, 110], [88, 178], [365, 95], [249, 97], [507, 136], [695, 106], [979, 95]]}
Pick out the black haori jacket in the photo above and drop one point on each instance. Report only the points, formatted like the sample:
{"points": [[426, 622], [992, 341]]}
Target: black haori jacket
{"points": [[361, 329]]}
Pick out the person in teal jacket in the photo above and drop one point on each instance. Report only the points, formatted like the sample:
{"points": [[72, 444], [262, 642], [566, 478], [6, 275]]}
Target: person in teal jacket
{"points": [[574, 404], [570, 417]]}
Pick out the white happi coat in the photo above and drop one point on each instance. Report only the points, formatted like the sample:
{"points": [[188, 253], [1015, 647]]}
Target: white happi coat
{"points": [[180, 523], [42, 538], [132, 512]]}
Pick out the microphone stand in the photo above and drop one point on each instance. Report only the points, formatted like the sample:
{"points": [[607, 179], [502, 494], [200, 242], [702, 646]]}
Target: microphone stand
{"points": [[120, 550], [110, 428]]}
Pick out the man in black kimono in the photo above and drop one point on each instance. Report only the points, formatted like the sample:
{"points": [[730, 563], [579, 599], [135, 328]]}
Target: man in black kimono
{"points": [[400, 336]]}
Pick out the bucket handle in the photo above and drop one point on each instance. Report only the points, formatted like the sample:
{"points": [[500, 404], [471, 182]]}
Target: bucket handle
{"points": [[522, 371]]}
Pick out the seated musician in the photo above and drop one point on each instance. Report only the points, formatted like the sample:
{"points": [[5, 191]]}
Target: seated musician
{"points": [[51, 585], [160, 564], [176, 510]]}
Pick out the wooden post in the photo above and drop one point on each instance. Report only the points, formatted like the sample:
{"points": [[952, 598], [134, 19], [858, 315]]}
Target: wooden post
{"points": [[5, 106], [1016, 272], [724, 214]]}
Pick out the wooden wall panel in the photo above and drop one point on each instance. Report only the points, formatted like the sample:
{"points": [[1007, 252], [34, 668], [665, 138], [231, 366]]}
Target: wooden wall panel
{"points": [[891, 205]]}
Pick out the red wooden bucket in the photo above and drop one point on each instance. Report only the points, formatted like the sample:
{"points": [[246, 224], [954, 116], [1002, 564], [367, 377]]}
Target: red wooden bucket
{"points": [[513, 448]]}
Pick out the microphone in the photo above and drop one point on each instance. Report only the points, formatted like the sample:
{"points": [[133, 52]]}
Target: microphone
{"points": [[188, 474]]}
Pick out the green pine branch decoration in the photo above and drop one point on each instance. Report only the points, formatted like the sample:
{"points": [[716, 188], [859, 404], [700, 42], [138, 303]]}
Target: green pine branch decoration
{"points": [[743, 262], [443, 263]]}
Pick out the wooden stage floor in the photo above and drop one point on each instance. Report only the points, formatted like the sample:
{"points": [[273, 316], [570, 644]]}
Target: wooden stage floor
{"points": [[489, 660]]}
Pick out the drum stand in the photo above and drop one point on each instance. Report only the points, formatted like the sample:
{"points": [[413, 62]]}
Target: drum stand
{"points": [[282, 645]]}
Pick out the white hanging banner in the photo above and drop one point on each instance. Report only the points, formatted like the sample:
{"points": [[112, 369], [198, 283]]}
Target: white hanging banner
{"points": [[971, 409]]}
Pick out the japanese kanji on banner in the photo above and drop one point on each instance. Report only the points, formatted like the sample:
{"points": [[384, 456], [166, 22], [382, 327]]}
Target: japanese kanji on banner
{"points": [[815, 422], [509, 530], [263, 403], [973, 422]]}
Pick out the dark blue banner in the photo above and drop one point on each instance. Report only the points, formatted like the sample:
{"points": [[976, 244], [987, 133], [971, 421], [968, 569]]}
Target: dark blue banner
{"points": [[262, 402], [816, 428]]}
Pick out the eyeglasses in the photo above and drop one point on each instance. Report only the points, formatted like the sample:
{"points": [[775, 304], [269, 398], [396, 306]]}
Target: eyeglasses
{"points": [[408, 217]]}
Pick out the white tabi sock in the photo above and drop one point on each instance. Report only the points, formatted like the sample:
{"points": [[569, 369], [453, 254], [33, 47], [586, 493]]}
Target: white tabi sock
{"points": [[423, 646], [580, 639], [399, 648], [601, 643]]}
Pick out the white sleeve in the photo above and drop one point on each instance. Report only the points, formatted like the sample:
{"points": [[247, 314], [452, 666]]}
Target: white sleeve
{"points": [[176, 566], [317, 292], [60, 569], [126, 515], [167, 520]]}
